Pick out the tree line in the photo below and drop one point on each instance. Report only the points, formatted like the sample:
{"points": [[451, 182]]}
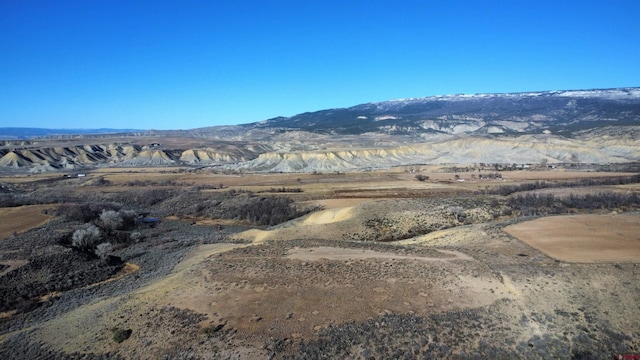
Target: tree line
{"points": [[548, 204], [505, 190]]}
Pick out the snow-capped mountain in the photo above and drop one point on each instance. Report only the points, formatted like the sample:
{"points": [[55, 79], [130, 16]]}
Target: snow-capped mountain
{"points": [[560, 112]]}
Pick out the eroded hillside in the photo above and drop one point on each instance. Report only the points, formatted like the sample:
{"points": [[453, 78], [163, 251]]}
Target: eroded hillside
{"points": [[586, 126], [289, 155]]}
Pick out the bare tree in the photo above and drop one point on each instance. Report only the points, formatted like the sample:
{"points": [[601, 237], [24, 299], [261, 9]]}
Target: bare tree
{"points": [[111, 220], [86, 239]]}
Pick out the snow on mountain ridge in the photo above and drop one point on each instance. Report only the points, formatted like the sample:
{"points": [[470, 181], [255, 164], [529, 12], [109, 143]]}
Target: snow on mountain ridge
{"points": [[616, 93]]}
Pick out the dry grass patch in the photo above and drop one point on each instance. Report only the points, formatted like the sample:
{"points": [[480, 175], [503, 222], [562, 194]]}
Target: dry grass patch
{"points": [[23, 218], [22, 179], [294, 295], [583, 238], [124, 178]]}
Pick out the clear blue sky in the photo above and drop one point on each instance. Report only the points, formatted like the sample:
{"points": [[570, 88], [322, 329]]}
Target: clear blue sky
{"points": [[187, 64]]}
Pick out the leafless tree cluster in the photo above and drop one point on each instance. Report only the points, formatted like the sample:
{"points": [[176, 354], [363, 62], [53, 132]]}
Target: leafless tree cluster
{"points": [[606, 181], [268, 210], [546, 204], [87, 238], [282, 190]]}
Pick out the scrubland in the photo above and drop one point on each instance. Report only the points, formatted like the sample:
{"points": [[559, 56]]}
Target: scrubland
{"points": [[191, 264]]}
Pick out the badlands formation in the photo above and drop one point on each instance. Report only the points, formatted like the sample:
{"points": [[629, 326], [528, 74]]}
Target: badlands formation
{"points": [[589, 126], [523, 149]]}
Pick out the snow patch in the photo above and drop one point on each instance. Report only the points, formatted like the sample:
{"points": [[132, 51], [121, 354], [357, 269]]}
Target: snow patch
{"points": [[385, 117]]}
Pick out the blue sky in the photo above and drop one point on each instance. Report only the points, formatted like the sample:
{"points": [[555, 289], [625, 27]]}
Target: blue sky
{"points": [[187, 64]]}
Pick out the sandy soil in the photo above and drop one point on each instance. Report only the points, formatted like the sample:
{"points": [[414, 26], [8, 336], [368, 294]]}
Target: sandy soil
{"points": [[583, 238], [318, 225]]}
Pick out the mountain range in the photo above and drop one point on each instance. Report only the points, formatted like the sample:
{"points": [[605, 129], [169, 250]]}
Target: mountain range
{"points": [[586, 126]]}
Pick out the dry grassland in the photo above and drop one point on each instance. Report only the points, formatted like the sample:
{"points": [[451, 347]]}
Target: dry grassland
{"points": [[583, 238], [123, 178], [20, 179], [22, 218]]}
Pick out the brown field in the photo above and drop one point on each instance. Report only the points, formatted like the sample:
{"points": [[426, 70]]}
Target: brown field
{"points": [[583, 238], [123, 178], [389, 183], [22, 218]]}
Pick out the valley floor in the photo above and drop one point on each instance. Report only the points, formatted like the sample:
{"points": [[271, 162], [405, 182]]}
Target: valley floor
{"points": [[385, 267]]}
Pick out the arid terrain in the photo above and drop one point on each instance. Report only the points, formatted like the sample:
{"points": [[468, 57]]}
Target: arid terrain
{"points": [[597, 126], [407, 262], [462, 226]]}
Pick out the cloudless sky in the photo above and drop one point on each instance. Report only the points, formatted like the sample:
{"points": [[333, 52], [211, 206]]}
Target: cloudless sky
{"points": [[186, 64]]}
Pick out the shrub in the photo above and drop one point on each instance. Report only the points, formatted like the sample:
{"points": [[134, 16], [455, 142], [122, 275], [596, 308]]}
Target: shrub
{"points": [[98, 207], [544, 204], [87, 238], [135, 236], [128, 218], [120, 335], [11, 200], [85, 212], [101, 181], [421, 177], [103, 250], [152, 197], [510, 189], [268, 210], [111, 220], [282, 190], [77, 212]]}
